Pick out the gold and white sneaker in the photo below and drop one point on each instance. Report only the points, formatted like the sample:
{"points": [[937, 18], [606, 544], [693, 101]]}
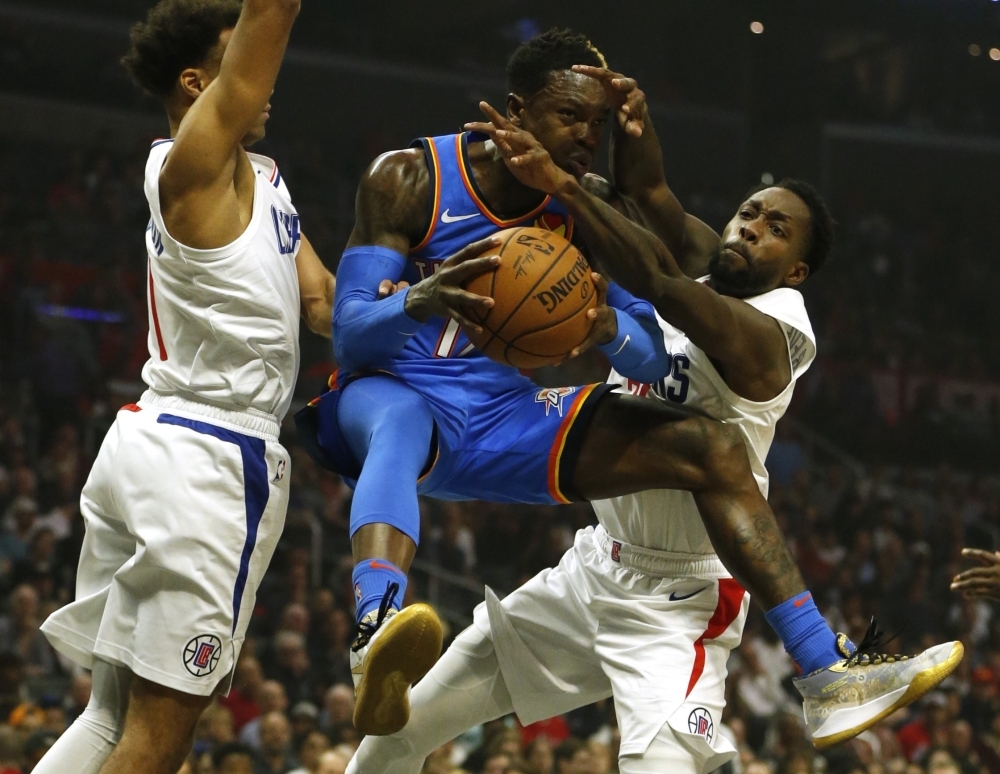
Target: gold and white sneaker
{"points": [[393, 649], [851, 695]]}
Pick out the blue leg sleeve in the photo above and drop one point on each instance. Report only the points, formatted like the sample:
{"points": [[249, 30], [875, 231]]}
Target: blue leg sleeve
{"points": [[389, 427]]}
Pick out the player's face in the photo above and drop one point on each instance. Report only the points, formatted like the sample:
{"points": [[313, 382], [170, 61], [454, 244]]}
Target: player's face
{"points": [[762, 247], [257, 131], [567, 117]]}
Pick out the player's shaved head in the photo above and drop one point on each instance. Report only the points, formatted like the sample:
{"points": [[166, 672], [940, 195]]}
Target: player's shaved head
{"points": [[176, 35], [534, 60]]}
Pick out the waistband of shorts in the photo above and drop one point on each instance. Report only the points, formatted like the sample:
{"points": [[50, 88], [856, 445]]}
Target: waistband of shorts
{"points": [[248, 421], [662, 564]]}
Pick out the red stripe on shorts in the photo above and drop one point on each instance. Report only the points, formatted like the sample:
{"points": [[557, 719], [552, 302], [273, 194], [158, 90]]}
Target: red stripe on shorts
{"points": [[730, 602]]}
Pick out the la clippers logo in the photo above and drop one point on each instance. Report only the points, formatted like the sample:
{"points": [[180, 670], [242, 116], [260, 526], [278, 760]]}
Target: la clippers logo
{"points": [[700, 723], [201, 654], [553, 398], [616, 551]]}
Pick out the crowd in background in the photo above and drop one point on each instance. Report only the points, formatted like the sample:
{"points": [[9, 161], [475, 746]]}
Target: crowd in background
{"points": [[880, 537]]}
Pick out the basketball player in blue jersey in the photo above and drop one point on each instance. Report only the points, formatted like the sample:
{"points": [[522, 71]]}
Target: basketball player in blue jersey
{"points": [[415, 409]]}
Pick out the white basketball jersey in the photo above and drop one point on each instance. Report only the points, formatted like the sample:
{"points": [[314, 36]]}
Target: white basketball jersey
{"points": [[224, 323], [667, 519]]}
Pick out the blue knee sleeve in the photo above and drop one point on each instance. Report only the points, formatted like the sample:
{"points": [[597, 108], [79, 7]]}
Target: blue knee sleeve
{"points": [[389, 427]]}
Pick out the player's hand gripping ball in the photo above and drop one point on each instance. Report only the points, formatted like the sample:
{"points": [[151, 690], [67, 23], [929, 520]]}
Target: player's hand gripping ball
{"points": [[542, 291]]}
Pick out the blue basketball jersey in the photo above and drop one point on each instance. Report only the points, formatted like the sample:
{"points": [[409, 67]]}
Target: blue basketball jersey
{"points": [[458, 217]]}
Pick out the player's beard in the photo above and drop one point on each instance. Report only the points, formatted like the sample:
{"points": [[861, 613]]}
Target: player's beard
{"points": [[738, 282]]}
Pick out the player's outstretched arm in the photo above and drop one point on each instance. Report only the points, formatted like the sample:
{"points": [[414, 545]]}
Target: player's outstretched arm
{"points": [[637, 170], [390, 216], [317, 290], [749, 345], [199, 171]]}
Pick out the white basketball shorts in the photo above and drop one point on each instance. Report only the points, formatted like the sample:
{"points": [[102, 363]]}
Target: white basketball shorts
{"points": [[183, 509], [595, 627]]}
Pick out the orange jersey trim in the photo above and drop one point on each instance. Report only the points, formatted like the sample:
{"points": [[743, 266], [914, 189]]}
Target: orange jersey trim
{"points": [[494, 219], [559, 444], [437, 198]]}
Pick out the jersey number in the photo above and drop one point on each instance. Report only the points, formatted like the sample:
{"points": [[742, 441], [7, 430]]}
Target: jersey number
{"points": [[674, 386], [448, 340]]}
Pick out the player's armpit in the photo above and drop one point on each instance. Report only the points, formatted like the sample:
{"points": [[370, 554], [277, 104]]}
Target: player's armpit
{"points": [[317, 287]]}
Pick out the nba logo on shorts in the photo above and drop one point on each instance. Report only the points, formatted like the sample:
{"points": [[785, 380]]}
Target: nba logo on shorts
{"points": [[700, 723], [616, 551], [201, 654]]}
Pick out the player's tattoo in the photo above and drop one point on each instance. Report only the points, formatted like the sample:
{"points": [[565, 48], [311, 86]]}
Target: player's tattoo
{"points": [[759, 551]]}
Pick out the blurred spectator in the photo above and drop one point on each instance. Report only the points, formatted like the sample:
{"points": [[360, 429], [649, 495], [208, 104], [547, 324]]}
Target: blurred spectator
{"points": [[20, 634], [332, 762], [276, 743], [310, 749], [270, 698], [338, 706], [233, 758]]}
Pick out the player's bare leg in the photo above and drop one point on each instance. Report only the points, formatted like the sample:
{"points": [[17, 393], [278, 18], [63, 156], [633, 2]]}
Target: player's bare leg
{"points": [[633, 445], [159, 730]]}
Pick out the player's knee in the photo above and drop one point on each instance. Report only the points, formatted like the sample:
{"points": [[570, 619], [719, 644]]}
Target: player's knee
{"points": [[725, 454]]}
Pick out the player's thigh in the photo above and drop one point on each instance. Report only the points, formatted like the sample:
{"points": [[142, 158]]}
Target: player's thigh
{"points": [[519, 446], [206, 505], [633, 444], [385, 410], [161, 718]]}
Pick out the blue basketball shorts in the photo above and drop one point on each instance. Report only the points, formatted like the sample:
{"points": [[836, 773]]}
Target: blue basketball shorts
{"points": [[515, 446]]}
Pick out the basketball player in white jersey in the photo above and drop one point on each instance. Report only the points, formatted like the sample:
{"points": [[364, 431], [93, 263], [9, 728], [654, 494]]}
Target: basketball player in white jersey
{"points": [[187, 497], [641, 609]]}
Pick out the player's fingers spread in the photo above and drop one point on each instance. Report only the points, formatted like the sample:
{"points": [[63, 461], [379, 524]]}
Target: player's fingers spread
{"points": [[600, 73], [462, 273], [624, 84], [472, 250], [491, 113], [480, 126], [979, 555], [459, 317], [456, 298]]}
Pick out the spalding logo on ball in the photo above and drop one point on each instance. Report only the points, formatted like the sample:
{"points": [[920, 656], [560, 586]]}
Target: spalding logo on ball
{"points": [[541, 291]]}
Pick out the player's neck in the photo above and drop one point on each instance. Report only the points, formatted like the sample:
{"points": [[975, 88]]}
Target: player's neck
{"points": [[504, 194]]}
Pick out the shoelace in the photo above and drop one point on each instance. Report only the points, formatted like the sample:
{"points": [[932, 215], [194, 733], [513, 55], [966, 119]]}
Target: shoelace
{"points": [[867, 653], [366, 629]]}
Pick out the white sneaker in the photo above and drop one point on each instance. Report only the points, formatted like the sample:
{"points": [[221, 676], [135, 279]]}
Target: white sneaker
{"points": [[393, 649], [851, 695]]}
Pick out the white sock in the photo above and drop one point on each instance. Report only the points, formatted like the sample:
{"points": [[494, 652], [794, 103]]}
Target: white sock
{"points": [[89, 741], [463, 690]]}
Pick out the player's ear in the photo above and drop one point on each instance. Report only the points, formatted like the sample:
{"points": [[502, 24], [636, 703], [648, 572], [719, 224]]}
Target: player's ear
{"points": [[797, 274], [515, 107], [193, 82]]}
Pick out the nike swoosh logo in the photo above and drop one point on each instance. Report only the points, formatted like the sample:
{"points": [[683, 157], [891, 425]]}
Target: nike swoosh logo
{"points": [[446, 218], [803, 600], [675, 598], [375, 564], [624, 343]]}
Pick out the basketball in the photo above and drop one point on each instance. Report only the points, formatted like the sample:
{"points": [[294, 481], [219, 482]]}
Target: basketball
{"points": [[542, 291]]}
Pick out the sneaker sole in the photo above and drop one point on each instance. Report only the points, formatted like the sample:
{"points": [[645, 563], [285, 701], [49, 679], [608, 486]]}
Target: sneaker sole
{"points": [[921, 684], [402, 654]]}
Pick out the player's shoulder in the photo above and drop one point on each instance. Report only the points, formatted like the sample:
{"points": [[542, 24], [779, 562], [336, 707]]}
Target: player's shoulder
{"points": [[394, 191]]}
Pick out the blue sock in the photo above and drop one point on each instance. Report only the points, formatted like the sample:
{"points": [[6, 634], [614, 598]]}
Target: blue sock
{"points": [[804, 633], [372, 577]]}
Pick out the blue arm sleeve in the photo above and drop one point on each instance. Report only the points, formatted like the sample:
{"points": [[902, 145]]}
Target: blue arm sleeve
{"points": [[366, 331], [638, 352]]}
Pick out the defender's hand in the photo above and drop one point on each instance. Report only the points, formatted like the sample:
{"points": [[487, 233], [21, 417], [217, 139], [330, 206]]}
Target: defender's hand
{"points": [[442, 295], [529, 162], [605, 327], [979, 582], [388, 288], [626, 98]]}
